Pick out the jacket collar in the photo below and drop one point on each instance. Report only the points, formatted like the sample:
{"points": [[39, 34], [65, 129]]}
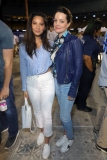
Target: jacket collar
{"points": [[67, 37]]}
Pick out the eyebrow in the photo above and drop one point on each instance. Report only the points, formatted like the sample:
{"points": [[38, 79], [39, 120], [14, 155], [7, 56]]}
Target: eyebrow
{"points": [[60, 19]]}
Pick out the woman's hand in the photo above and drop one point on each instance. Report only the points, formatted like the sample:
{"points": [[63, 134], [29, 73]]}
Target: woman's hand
{"points": [[25, 94], [70, 98]]}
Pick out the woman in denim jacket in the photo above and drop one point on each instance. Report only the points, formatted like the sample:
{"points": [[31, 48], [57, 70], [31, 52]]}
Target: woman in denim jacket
{"points": [[67, 67]]}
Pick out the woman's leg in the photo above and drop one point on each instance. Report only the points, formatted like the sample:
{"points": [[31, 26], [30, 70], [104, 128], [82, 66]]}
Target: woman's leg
{"points": [[35, 98], [65, 116], [47, 97]]}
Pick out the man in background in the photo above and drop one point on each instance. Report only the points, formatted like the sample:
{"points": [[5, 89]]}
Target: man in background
{"points": [[8, 118]]}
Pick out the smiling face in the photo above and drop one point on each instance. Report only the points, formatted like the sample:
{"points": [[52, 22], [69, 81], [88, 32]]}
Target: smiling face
{"points": [[38, 25], [60, 23]]}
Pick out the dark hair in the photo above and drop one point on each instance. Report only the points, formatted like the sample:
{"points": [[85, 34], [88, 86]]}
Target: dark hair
{"points": [[66, 11], [29, 38], [93, 26]]}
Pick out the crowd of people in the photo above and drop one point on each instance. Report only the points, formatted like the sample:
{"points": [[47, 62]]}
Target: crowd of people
{"points": [[65, 65]]}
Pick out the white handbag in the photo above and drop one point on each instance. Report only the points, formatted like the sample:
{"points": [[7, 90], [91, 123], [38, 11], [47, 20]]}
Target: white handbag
{"points": [[26, 115]]}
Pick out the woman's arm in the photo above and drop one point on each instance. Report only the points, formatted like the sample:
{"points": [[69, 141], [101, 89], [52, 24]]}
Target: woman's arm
{"points": [[23, 67], [88, 62]]}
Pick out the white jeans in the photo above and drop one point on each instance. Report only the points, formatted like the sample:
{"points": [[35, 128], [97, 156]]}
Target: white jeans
{"points": [[41, 91]]}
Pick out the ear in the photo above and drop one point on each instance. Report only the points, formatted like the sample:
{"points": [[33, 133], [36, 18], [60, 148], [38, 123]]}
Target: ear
{"points": [[69, 24]]}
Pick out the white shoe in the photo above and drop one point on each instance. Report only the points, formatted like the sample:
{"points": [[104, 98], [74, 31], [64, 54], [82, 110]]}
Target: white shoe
{"points": [[40, 138], [66, 146], [61, 141], [46, 151]]}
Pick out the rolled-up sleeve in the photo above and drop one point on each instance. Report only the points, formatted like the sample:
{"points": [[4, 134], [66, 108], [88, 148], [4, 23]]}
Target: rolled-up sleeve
{"points": [[23, 68], [78, 66]]}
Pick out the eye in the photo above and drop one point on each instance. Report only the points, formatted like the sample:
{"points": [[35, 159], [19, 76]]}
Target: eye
{"points": [[42, 24], [62, 21]]}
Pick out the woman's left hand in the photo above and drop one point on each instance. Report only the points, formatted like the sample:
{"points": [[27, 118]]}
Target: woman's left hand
{"points": [[70, 98]]}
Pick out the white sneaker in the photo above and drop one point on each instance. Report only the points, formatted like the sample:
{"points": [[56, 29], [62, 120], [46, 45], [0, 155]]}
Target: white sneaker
{"points": [[61, 141], [40, 138], [46, 151], [66, 146]]}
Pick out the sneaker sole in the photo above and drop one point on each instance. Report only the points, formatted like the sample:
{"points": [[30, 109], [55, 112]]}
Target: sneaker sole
{"points": [[101, 149], [13, 143]]}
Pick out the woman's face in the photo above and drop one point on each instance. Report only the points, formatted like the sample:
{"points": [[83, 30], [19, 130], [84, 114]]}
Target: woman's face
{"points": [[60, 23], [38, 26]]}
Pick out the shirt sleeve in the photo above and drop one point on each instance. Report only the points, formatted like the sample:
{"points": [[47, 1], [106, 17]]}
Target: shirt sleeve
{"points": [[7, 39], [23, 68], [88, 46]]}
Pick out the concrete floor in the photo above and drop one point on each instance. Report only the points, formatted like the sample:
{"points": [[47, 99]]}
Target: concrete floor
{"points": [[26, 148]]}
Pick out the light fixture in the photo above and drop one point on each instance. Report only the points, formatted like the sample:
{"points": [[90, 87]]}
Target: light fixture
{"points": [[84, 16], [76, 17], [103, 15], [94, 15], [17, 30], [23, 30]]}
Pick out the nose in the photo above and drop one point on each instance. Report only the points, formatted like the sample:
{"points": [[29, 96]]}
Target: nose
{"points": [[56, 23], [37, 26]]}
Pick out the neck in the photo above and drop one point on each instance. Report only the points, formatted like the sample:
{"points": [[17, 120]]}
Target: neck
{"points": [[37, 39]]}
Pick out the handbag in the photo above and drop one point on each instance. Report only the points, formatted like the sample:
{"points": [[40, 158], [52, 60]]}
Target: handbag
{"points": [[26, 115]]}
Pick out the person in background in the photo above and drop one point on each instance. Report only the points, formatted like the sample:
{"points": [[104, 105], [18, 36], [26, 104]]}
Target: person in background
{"points": [[15, 41], [51, 34], [8, 118], [67, 69], [90, 53], [101, 118], [36, 76]]}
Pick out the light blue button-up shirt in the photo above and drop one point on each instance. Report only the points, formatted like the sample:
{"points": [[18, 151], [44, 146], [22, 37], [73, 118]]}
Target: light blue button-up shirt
{"points": [[38, 64]]}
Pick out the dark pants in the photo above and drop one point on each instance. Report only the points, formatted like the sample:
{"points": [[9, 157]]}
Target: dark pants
{"points": [[84, 87], [9, 118]]}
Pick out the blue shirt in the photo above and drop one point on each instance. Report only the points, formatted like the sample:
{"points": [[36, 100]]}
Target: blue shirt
{"points": [[36, 65], [6, 42], [90, 47]]}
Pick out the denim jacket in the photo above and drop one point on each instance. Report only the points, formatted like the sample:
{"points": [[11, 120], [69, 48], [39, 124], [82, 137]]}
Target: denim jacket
{"points": [[69, 63]]}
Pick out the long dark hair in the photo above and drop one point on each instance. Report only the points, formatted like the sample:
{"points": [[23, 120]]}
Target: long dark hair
{"points": [[29, 38], [93, 26]]}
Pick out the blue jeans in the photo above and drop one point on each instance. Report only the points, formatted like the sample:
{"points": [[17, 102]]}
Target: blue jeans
{"points": [[65, 107], [9, 118]]}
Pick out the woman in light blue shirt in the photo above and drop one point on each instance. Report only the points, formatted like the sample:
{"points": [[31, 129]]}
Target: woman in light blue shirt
{"points": [[36, 76]]}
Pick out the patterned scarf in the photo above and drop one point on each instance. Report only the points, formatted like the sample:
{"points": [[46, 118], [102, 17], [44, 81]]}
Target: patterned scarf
{"points": [[57, 44]]}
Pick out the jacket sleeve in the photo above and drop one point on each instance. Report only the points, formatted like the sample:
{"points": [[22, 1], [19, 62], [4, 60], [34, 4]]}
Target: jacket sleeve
{"points": [[78, 66], [23, 68]]}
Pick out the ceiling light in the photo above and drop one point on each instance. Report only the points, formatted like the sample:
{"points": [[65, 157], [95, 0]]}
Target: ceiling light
{"points": [[103, 14], [84, 16], [76, 17], [94, 15], [17, 30]]}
